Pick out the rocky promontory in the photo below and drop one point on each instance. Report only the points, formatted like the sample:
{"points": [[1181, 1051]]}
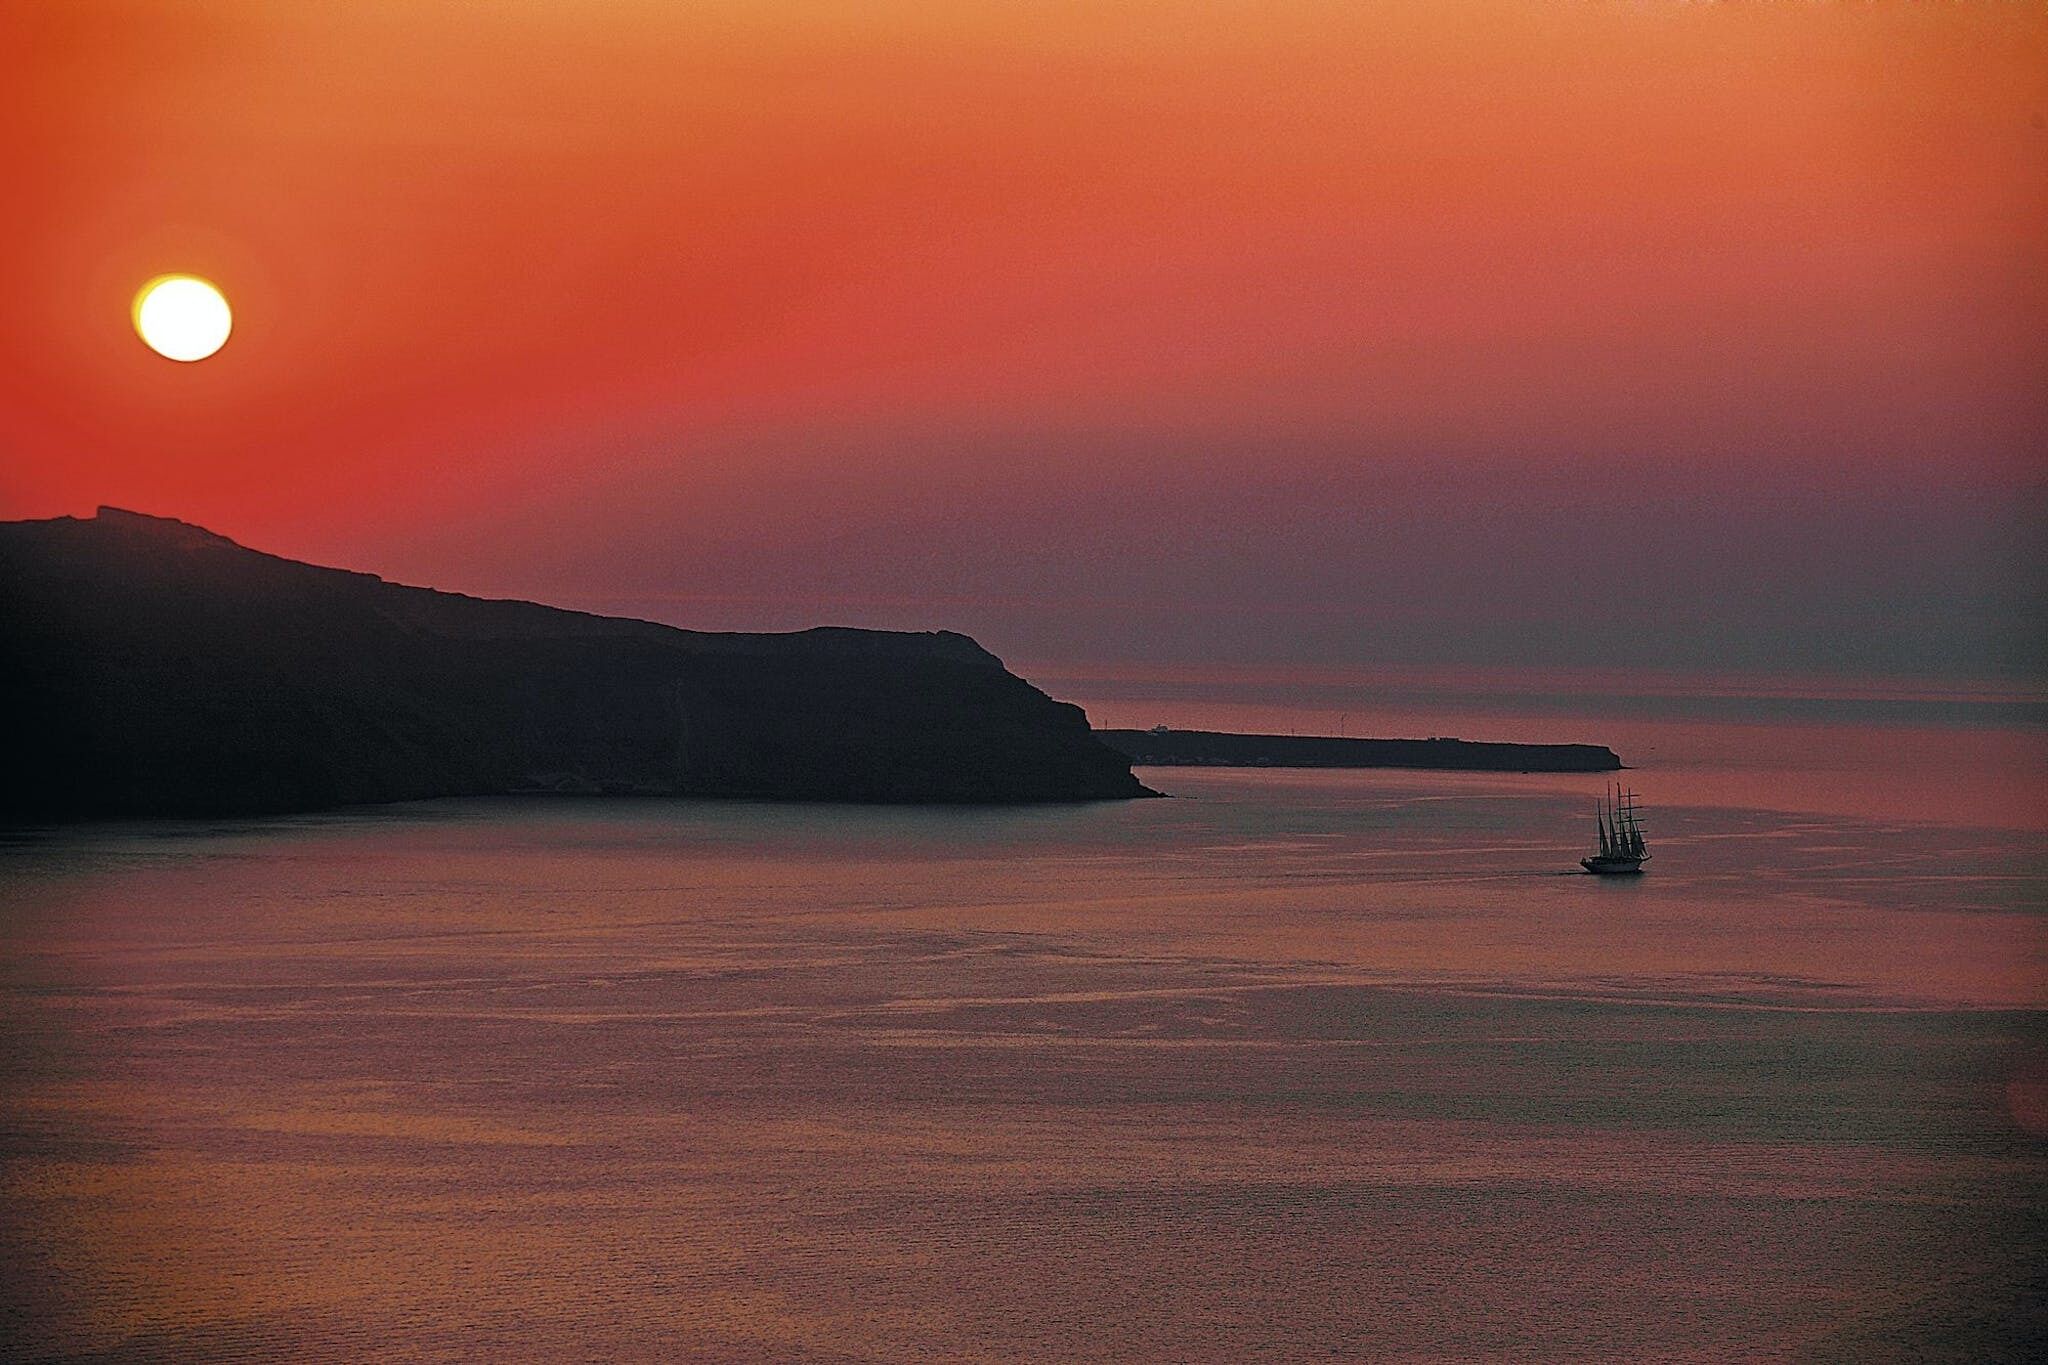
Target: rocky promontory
{"points": [[155, 668]]}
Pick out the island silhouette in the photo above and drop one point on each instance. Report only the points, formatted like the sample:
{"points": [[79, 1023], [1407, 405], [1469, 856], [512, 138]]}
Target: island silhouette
{"points": [[160, 669]]}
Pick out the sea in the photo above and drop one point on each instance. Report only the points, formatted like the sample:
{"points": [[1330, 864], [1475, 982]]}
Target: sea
{"points": [[1293, 1065]]}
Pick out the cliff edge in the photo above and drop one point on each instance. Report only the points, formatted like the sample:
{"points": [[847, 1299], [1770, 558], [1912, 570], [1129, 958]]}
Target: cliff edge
{"points": [[155, 668]]}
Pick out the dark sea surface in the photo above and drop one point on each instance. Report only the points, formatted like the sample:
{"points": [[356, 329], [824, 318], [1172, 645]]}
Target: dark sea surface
{"points": [[1296, 1066]]}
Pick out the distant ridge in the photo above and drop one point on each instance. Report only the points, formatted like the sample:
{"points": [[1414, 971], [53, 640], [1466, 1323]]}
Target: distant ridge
{"points": [[156, 668], [1219, 749]]}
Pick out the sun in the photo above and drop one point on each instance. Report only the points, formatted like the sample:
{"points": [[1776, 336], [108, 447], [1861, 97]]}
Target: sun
{"points": [[182, 317]]}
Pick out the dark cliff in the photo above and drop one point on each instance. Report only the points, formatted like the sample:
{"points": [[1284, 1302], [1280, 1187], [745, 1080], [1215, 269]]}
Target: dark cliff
{"points": [[155, 668], [1218, 749]]}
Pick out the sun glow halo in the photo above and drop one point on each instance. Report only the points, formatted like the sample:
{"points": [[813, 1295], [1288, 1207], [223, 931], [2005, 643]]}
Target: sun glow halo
{"points": [[182, 317]]}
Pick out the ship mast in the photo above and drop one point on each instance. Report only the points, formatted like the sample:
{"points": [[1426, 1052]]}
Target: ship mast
{"points": [[1630, 833], [1622, 848]]}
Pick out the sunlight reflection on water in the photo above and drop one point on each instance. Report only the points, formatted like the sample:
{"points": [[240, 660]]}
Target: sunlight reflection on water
{"points": [[1297, 1064]]}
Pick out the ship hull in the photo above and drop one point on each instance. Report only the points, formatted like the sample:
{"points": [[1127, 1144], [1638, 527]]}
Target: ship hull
{"points": [[1612, 867]]}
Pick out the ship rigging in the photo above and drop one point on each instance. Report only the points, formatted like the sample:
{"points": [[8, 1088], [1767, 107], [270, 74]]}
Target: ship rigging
{"points": [[1622, 851]]}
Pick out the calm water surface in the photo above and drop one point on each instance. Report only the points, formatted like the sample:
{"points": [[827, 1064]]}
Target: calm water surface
{"points": [[1295, 1066]]}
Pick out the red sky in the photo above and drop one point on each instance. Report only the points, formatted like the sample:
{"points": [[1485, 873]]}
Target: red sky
{"points": [[1573, 332]]}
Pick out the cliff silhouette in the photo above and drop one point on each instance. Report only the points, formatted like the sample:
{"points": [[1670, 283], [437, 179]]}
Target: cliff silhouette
{"points": [[155, 668]]}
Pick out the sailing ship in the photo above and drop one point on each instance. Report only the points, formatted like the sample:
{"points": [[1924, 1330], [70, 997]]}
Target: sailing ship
{"points": [[1621, 837]]}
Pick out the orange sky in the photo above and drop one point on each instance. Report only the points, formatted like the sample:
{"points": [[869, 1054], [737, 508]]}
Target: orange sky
{"points": [[1111, 329]]}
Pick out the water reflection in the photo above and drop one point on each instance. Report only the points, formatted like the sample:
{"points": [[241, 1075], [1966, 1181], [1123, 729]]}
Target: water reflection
{"points": [[1296, 1064]]}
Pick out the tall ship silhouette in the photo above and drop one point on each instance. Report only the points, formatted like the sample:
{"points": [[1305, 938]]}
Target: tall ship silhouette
{"points": [[1622, 851]]}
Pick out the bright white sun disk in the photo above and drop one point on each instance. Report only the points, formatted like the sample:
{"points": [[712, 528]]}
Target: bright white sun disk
{"points": [[182, 317]]}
